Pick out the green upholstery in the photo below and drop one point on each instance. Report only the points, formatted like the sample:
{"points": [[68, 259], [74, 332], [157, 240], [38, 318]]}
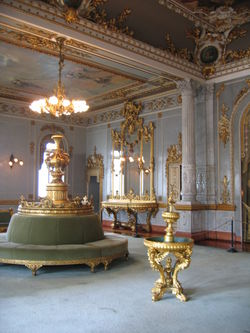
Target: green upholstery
{"points": [[59, 240], [54, 230], [109, 246]]}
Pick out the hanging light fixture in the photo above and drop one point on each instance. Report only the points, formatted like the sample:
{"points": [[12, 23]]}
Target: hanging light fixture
{"points": [[58, 104]]}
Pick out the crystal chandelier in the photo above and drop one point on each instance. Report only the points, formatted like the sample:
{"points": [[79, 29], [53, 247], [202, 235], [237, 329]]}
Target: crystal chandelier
{"points": [[58, 104]]}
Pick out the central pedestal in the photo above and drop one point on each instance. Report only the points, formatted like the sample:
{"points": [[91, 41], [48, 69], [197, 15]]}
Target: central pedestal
{"points": [[160, 251]]}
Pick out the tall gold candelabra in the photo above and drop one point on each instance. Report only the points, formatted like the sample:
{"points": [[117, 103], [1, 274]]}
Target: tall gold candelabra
{"points": [[160, 249]]}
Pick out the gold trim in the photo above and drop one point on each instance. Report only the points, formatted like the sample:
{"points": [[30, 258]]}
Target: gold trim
{"points": [[160, 252], [224, 207], [34, 265], [113, 38], [218, 95], [45, 45], [174, 157], [182, 53], [224, 125], [10, 202]]}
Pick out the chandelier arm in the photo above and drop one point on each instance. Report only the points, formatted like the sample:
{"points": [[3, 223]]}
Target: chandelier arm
{"points": [[61, 62], [58, 104]]}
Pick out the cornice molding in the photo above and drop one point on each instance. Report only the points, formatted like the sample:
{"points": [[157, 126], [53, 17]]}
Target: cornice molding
{"points": [[178, 8], [86, 27], [231, 71], [155, 105]]}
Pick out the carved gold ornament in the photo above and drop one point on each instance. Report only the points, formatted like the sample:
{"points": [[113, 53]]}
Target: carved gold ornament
{"points": [[182, 53], [162, 249], [212, 40], [56, 202], [94, 11], [34, 265], [225, 195], [224, 125], [95, 160], [174, 156]]}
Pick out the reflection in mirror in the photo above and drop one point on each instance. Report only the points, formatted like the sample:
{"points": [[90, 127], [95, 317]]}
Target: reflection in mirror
{"points": [[132, 171]]}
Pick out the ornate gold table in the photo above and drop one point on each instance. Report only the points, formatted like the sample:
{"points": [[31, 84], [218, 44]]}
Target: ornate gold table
{"points": [[158, 251], [132, 207]]}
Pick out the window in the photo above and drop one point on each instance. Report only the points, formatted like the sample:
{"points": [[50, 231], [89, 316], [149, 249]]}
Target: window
{"points": [[117, 173], [43, 175]]}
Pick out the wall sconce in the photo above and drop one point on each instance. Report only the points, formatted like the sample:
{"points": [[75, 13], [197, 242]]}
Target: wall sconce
{"points": [[14, 160]]}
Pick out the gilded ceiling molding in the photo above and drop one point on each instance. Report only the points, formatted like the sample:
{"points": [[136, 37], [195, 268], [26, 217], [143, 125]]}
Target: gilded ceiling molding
{"points": [[163, 103], [212, 42], [105, 35], [52, 127], [93, 10], [182, 53], [154, 105], [46, 43], [181, 9], [214, 31], [224, 125], [139, 91]]}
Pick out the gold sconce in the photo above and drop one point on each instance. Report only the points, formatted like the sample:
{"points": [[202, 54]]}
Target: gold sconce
{"points": [[14, 160]]}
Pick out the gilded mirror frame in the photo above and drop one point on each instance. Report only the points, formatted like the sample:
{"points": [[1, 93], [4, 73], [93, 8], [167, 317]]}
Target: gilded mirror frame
{"points": [[133, 124]]}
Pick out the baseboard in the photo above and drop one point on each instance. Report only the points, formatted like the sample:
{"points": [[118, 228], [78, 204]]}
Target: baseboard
{"points": [[212, 238]]}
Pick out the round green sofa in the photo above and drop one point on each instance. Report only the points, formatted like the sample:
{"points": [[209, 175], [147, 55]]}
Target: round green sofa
{"points": [[36, 241]]}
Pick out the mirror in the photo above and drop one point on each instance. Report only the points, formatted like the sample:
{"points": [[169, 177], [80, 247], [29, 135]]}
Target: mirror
{"points": [[133, 157]]}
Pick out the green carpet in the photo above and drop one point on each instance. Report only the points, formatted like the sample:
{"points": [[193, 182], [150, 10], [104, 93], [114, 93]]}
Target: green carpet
{"points": [[71, 299]]}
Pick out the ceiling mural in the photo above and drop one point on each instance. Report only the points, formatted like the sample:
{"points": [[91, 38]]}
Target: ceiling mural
{"points": [[36, 73], [196, 36]]}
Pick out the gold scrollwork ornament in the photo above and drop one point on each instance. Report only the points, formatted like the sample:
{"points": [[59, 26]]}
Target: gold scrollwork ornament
{"points": [[224, 125]]}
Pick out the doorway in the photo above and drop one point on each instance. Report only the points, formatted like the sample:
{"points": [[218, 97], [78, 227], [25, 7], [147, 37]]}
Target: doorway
{"points": [[245, 176]]}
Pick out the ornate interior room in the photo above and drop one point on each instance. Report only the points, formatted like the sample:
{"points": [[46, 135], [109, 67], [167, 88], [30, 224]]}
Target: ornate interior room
{"points": [[151, 101]]}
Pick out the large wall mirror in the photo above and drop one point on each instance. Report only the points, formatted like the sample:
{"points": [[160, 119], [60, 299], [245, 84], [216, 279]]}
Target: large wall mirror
{"points": [[133, 157]]}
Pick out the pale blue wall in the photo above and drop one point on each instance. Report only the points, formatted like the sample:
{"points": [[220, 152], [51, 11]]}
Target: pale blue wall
{"points": [[16, 135]]}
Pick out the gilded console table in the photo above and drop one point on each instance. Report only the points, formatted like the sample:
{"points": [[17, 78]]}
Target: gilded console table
{"points": [[158, 251], [132, 207]]}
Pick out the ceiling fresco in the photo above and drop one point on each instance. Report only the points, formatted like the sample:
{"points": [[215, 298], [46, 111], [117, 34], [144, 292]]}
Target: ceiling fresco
{"points": [[206, 34]]}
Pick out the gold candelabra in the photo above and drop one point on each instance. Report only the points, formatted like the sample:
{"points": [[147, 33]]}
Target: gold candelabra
{"points": [[170, 217]]}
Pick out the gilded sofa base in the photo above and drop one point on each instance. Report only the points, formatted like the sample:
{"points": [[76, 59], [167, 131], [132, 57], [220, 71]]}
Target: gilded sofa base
{"points": [[34, 265]]}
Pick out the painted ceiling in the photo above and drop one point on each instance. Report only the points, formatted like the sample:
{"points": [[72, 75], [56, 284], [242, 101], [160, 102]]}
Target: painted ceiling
{"points": [[28, 72]]}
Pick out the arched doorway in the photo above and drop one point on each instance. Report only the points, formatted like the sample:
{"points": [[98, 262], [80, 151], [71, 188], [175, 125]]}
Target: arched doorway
{"points": [[245, 177]]}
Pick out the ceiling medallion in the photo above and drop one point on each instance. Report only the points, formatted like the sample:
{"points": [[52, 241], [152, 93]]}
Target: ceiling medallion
{"points": [[58, 105]]}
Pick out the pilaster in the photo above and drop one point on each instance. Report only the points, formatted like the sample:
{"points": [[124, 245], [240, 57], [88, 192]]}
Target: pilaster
{"points": [[188, 142], [209, 93]]}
